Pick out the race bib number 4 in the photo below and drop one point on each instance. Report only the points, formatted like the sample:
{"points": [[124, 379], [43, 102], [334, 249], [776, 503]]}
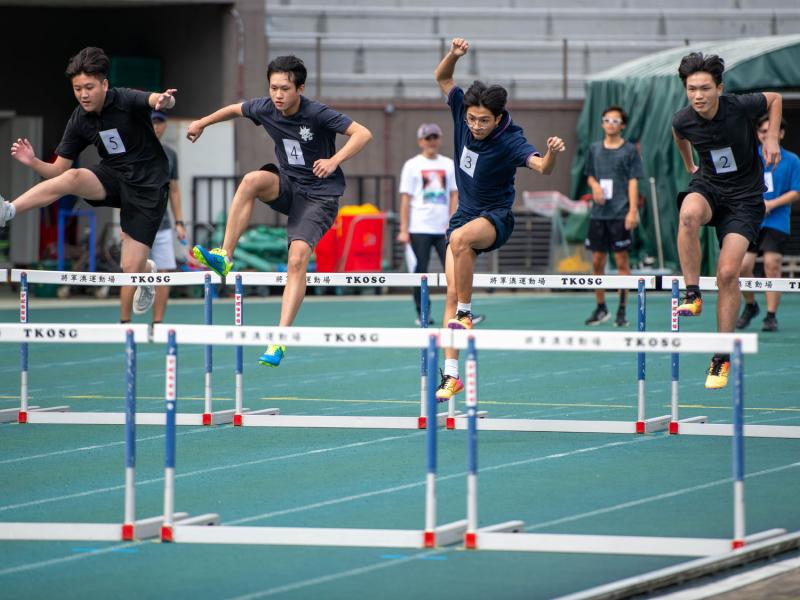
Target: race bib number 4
{"points": [[294, 153], [723, 160], [469, 160], [112, 141]]}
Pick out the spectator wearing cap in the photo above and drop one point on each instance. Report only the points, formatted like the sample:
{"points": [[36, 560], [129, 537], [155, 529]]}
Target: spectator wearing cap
{"points": [[428, 197], [163, 251]]}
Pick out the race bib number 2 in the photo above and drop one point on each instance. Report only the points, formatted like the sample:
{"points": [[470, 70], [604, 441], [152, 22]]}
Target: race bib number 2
{"points": [[469, 160], [723, 160], [112, 141], [294, 153]]}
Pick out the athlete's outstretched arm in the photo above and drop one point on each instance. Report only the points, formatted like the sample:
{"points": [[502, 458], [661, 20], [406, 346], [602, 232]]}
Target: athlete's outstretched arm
{"points": [[685, 150], [771, 148], [226, 113], [444, 71], [22, 150], [545, 164], [359, 137], [162, 101]]}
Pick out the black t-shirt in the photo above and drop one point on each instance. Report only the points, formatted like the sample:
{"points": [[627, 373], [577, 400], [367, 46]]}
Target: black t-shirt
{"points": [[123, 135], [172, 158], [727, 144], [302, 139]]}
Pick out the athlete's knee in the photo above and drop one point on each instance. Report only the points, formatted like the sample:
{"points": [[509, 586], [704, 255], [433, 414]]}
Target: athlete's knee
{"points": [[727, 275], [691, 219], [297, 261], [459, 243], [257, 183]]}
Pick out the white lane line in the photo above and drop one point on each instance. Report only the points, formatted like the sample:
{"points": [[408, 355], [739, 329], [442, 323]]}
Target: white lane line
{"points": [[65, 559]]}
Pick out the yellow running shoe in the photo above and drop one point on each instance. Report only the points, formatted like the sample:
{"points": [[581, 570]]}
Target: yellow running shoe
{"points": [[217, 259], [272, 355], [690, 306], [463, 320], [718, 373], [449, 387]]}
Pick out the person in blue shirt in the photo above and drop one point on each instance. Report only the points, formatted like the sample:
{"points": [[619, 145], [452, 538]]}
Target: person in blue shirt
{"points": [[489, 148], [305, 185], [783, 188]]}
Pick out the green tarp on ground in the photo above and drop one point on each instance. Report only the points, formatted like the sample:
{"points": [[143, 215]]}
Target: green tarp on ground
{"points": [[651, 92]]}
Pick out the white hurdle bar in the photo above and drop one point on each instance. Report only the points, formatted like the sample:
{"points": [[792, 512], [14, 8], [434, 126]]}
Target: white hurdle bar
{"points": [[699, 425], [428, 537], [481, 539], [130, 528]]}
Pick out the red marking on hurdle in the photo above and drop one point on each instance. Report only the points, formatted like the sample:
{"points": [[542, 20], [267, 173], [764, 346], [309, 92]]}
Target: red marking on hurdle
{"points": [[22, 417], [450, 423], [422, 423], [166, 534], [429, 539], [737, 544], [237, 420], [127, 532], [640, 428], [470, 541], [207, 419], [673, 427]]}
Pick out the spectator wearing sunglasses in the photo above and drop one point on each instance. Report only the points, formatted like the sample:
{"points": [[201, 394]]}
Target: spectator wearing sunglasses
{"points": [[613, 168]]}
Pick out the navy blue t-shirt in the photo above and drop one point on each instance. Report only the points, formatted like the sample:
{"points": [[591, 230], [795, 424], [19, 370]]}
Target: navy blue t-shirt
{"points": [[485, 169], [302, 139]]}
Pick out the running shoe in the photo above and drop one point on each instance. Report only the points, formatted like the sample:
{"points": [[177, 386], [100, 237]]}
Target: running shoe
{"points": [[217, 259], [6, 212], [449, 387], [272, 355], [145, 295], [691, 306], [749, 311], [770, 323], [718, 373], [463, 320], [600, 315], [621, 321], [477, 319]]}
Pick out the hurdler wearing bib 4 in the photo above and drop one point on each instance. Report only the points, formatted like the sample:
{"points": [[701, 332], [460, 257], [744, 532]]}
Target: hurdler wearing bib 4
{"points": [[132, 175], [305, 186], [726, 190]]}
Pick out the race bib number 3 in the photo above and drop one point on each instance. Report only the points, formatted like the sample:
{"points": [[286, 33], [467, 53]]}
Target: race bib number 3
{"points": [[607, 186], [294, 153], [723, 160], [112, 141], [768, 182], [469, 160]]}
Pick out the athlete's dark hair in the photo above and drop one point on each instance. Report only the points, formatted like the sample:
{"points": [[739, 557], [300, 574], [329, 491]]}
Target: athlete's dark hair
{"points": [[618, 109], [492, 97], [764, 118], [292, 66], [90, 61], [697, 62]]}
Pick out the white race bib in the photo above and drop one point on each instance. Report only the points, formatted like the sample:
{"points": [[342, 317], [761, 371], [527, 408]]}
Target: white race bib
{"points": [[112, 141], [469, 160], [768, 181], [294, 153], [607, 186], [723, 160]]}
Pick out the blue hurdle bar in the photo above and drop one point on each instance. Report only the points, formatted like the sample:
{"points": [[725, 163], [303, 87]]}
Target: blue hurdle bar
{"points": [[128, 530], [429, 536]]}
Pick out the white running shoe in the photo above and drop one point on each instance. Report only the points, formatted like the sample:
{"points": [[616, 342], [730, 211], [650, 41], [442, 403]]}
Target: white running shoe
{"points": [[7, 212], [145, 295]]}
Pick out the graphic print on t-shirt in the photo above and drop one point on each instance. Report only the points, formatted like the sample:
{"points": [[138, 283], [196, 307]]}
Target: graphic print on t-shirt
{"points": [[433, 186]]}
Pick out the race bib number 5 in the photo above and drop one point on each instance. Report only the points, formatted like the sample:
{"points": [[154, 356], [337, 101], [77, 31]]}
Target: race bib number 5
{"points": [[294, 153], [112, 141], [469, 160], [723, 160]]}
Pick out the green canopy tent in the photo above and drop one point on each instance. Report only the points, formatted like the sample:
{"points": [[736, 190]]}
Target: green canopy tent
{"points": [[650, 91]]}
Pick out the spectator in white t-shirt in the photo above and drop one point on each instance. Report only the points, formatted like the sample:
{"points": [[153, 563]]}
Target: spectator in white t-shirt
{"points": [[428, 196]]}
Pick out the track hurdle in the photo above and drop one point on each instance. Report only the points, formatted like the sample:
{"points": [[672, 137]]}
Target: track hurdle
{"points": [[700, 425], [130, 528], [429, 536], [62, 414], [485, 539]]}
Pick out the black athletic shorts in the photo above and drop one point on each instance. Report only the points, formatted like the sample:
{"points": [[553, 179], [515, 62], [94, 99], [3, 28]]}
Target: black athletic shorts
{"points": [[608, 236], [501, 218], [309, 217], [770, 240], [743, 216], [141, 209]]}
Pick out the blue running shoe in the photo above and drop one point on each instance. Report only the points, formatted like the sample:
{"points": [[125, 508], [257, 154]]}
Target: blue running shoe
{"points": [[272, 355], [217, 259]]}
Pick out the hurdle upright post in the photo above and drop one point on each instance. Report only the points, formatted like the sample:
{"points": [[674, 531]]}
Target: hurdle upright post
{"points": [[238, 311], [171, 399], [128, 524], [641, 322], [675, 358], [429, 535], [23, 351], [738, 447], [470, 537], [423, 359], [207, 320]]}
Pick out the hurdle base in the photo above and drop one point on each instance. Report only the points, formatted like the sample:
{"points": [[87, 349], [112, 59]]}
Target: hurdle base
{"points": [[441, 419], [471, 537], [11, 415], [451, 421], [726, 430], [219, 417], [167, 532], [551, 425], [94, 532], [675, 426], [237, 417]]}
